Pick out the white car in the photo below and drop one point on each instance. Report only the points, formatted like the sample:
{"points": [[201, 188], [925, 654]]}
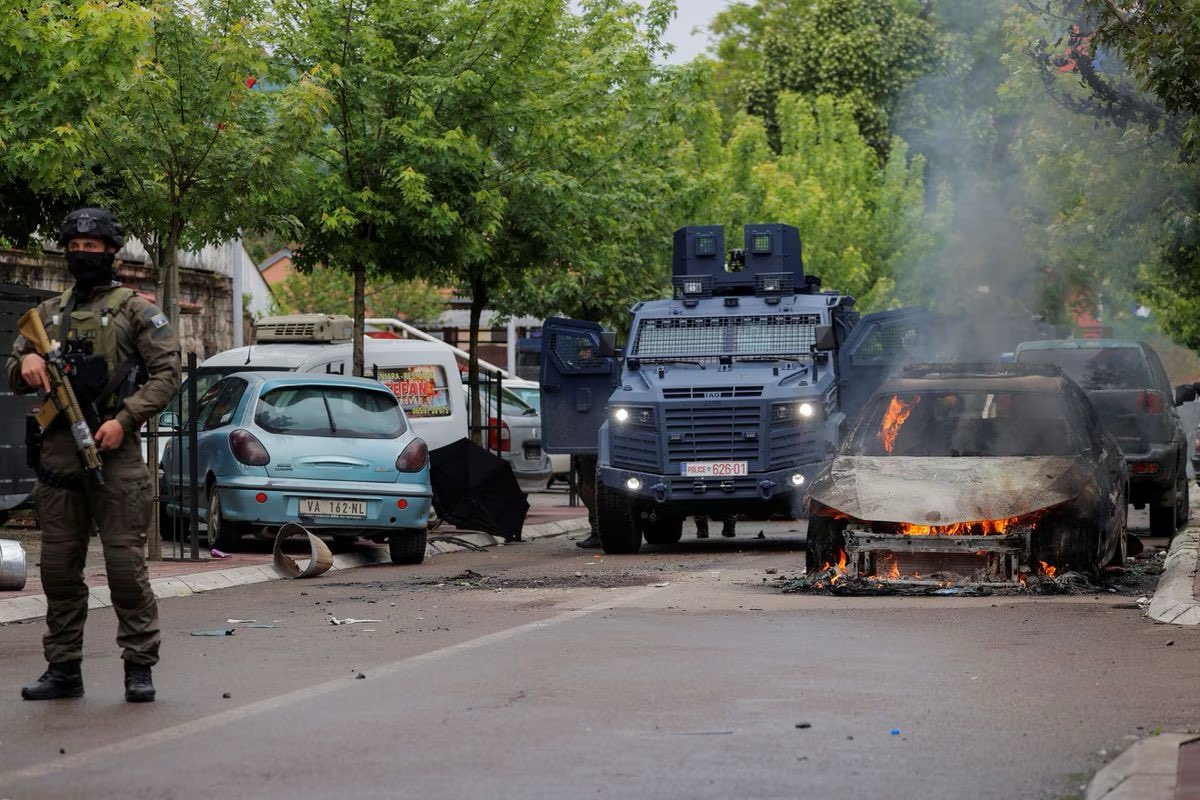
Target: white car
{"points": [[531, 393]]}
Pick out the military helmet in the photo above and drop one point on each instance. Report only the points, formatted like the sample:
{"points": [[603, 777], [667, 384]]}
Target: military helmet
{"points": [[95, 222]]}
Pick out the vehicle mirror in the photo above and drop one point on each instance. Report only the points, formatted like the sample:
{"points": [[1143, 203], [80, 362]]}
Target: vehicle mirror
{"points": [[1185, 394], [825, 339], [608, 344], [168, 419]]}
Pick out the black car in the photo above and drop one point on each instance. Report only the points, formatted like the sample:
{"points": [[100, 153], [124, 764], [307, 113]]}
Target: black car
{"points": [[1128, 386], [986, 471]]}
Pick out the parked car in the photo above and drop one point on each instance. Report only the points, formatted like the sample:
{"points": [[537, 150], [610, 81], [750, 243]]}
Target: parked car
{"points": [[516, 436], [957, 469], [423, 375], [531, 393], [1128, 386], [335, 454]]}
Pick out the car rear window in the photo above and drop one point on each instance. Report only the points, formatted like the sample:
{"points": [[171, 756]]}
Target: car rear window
{"points": [[345, 412], [1095, 368], [967, 423]]}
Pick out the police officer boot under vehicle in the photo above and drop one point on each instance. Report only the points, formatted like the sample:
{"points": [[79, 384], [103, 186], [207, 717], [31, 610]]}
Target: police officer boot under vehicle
{"points": [[725, 401]]}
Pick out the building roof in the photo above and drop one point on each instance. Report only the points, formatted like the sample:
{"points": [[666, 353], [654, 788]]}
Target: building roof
{"points": [[276, 257]]}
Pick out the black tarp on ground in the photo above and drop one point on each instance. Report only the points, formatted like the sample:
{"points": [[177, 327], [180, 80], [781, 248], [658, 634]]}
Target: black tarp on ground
{"points": [[476, 490]]}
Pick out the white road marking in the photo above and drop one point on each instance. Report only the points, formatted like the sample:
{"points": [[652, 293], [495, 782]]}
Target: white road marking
{"points": [[132, 745]]}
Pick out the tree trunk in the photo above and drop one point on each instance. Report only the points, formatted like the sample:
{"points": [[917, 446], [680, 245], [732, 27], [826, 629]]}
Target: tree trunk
{"points": [[479, 300], [171, 266], [360, 314]]}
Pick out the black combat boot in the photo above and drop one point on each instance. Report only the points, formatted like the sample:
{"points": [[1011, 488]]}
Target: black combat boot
{"points": [[63, 679], [139, 688], [729, 527], [701, 527], [591, 542]]}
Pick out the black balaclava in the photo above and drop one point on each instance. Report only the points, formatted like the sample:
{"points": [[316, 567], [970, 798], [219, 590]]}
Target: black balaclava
{"points": [[91, 270]]}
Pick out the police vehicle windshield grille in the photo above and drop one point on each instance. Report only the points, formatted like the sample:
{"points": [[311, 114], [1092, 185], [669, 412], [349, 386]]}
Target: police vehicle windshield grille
{"points": [[758, 336]]}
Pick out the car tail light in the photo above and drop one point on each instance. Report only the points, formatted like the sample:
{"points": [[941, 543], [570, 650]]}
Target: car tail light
{"points": [[248, 449], [1144, 468], [499, 437], [1151, 402], [414, 457]]}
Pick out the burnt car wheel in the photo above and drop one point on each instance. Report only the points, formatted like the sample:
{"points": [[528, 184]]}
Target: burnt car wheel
{"points": [[664, 530], [826, 540], [619, 532], [1066, 547], [407, 547]]}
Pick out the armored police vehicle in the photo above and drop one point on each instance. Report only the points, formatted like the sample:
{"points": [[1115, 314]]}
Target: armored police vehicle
{"points": [[725, 400]]}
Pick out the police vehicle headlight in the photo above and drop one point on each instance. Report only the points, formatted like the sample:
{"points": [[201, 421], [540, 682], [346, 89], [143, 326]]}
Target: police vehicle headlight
{"points": [[633, 484], [797, 479], [807, 410], [621, 414]]}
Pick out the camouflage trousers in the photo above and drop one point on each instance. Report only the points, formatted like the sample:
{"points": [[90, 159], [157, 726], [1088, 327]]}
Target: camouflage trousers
{"points": [[119, 509]]}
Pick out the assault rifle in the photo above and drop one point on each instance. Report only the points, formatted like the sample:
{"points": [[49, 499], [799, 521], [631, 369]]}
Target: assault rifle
{"points": [[61, 399]]}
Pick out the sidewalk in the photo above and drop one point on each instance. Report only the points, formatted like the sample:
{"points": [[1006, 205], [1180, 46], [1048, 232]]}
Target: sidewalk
{"points": [[1164, 767], [549, 515]]}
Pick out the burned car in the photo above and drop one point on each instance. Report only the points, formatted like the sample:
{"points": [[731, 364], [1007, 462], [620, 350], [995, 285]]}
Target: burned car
{"points": [[979, 473]]}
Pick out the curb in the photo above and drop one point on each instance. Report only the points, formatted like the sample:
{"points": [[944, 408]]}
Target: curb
{"points": [[33, 606], [1148, 770], [1174, 600]]}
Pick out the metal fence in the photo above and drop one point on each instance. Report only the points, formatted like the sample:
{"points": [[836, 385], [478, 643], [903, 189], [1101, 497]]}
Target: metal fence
{"points": [[175, 467]]}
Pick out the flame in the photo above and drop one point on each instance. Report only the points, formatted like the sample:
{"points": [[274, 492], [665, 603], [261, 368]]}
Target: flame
{"points": [[1021, 578], [1047, 569], [894, 572], [841, 565], [984, 527], [897, 413]]}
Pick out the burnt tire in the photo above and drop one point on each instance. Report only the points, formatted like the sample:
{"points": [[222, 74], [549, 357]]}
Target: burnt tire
{"points": [[619, 531], [222, 534], [664, 530], [826, 541], [407, 547], [1066, 547]]}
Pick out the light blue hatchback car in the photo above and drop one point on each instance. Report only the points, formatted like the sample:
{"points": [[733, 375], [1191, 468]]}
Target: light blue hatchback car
{"points": [[334, 454]]}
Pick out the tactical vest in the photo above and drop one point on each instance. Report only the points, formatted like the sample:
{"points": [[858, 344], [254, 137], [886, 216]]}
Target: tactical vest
{"points": [[90, 346]]}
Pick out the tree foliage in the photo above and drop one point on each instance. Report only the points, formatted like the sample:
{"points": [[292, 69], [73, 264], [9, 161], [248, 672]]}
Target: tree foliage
{"points": [[331, 291], [864, 52]]}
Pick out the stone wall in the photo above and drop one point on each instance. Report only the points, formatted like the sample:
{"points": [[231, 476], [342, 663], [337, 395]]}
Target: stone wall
{"points": [[206, 302]]}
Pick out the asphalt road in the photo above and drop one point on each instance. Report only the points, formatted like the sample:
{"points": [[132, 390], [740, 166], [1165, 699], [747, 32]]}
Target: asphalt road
{"points": [[549, 672]]}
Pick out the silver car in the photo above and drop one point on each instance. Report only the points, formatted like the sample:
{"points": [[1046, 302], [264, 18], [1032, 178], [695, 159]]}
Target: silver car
{"points": [[517, 437]]}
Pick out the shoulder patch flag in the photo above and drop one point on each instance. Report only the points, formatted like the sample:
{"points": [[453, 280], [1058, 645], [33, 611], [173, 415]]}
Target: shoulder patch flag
{"points": [[158, 320]]}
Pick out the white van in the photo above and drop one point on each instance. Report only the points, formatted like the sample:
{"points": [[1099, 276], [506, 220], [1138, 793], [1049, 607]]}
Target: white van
{"points": [[423, 375]]}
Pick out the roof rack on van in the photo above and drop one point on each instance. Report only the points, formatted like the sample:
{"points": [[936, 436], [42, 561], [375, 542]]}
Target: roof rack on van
{"points": [[320, 328]]}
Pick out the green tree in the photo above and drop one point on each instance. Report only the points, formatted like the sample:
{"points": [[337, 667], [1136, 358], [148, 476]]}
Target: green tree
{"points": [[859, 221], [473, 154], [331, 291], [864, 52], [58, 58], [184, 148]]}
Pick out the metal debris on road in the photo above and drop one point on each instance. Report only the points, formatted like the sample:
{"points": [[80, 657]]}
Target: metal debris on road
{"points": [[239, 621], [214, 632], [319, 562], [350, 620], [12, 565]]}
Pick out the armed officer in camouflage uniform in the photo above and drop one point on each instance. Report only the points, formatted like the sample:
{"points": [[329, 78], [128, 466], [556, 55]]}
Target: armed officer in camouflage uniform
{"points": [[123, 361]]}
